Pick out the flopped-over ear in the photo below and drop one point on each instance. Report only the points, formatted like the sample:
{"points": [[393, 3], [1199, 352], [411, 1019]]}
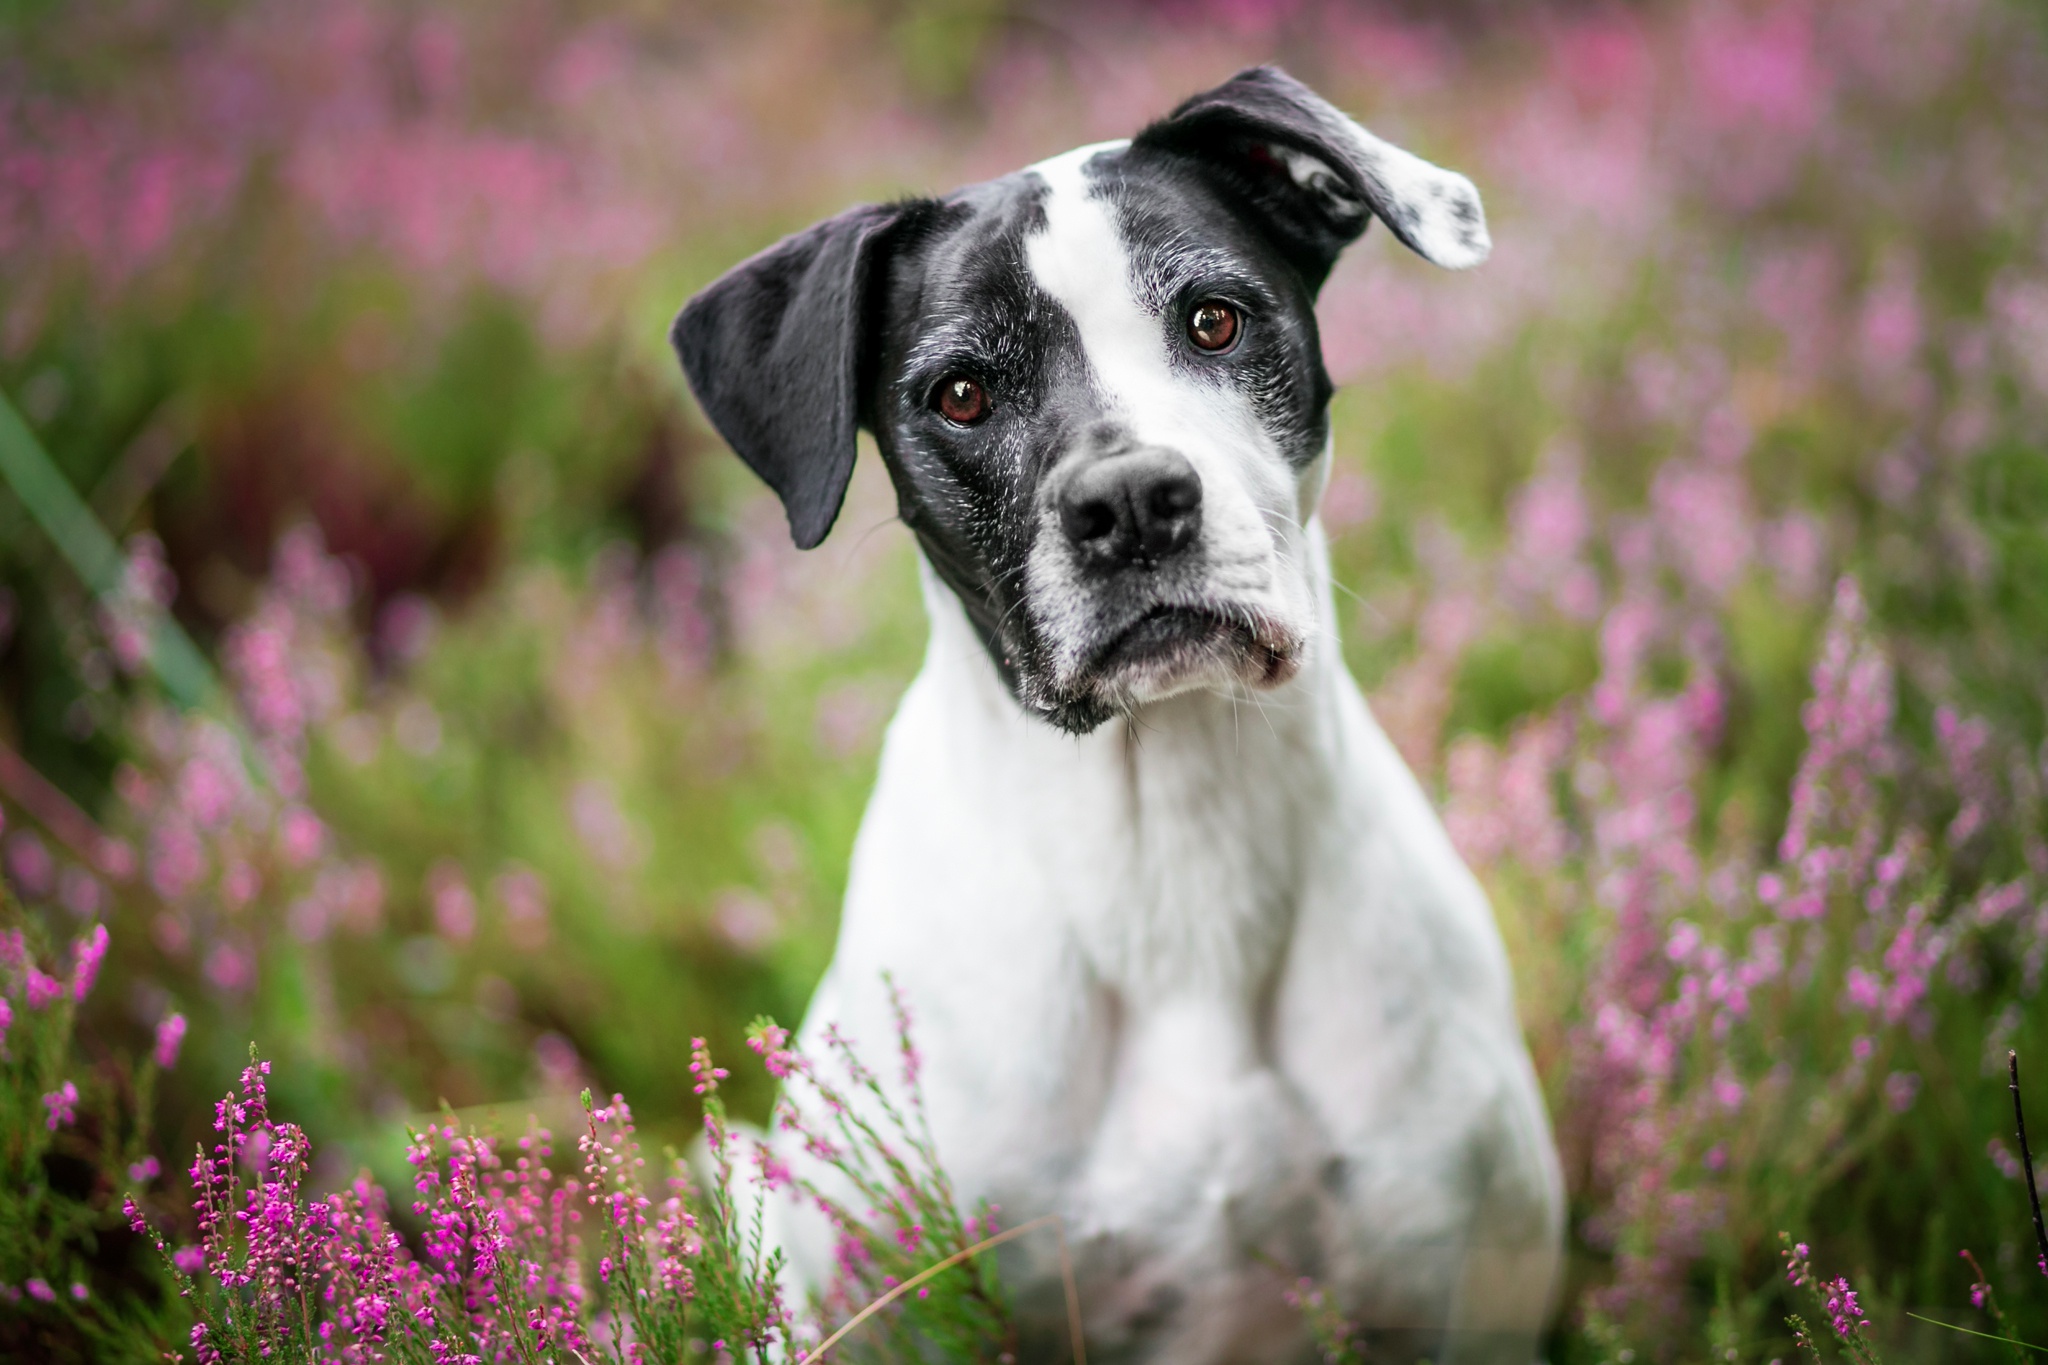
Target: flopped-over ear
{"points": [[773, 349], [1314, 178]]}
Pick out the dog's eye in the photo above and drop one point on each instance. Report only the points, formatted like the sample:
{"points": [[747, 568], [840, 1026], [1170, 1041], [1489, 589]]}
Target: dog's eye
{"points": [[1213, 326], [961, 401]]}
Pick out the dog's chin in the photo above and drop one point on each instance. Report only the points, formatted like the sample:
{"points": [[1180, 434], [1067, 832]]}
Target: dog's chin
{"points": [[1175, 649]]}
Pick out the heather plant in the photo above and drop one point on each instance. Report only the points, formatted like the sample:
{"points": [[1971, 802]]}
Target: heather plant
{"points": [[497, 1267], [74, 1129], [1691, 553], [892, 1210]]}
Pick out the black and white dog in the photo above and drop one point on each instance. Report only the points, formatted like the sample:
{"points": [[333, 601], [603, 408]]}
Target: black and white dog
{"points": [[1194, 962]]}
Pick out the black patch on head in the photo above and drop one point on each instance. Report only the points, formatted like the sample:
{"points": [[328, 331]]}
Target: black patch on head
{"points": [[960, 299], [1239, 135]]}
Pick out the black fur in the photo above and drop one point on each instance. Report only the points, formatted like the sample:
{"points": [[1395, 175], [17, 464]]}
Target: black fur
{"points": [[1228, 133], [773, 350]]}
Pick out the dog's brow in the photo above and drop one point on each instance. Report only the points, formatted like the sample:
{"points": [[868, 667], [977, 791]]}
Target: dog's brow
{"points": [[1163, 269], [962, 335]]}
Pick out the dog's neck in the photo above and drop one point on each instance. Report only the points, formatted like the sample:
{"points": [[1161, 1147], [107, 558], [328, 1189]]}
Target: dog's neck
{"points": [[1188, 815]]}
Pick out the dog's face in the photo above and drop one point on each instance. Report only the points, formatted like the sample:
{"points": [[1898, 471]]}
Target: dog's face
{"points": [[1097, 385]]}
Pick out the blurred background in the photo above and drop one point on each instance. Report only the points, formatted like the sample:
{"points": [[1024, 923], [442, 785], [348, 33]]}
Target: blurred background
{"points": [[1694, 550]]}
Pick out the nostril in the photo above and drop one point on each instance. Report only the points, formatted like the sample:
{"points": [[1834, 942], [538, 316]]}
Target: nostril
{"points": [[1088, 520], [1176, 495]]}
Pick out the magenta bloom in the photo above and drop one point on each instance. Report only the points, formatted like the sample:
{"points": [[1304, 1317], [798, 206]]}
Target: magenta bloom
{"points": [[39, 1289], [63, 1106], [170, 1035], [44, 990], [92, 951]]}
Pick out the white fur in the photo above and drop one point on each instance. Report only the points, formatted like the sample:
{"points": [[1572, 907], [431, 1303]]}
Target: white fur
{"points": [[1210, 981]]}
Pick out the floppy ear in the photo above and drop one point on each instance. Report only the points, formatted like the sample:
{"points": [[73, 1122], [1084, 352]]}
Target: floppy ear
{"points": [[1315, 179], [773, 349]]}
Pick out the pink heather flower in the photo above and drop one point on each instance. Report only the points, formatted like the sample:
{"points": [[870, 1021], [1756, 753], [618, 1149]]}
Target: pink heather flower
{"points": [[913, 1060], [189, 1260], [135, 1218], [207, 792], [30, 864], [454, 903], [92, 951], [708, 1076], [39, 1289], [63, 1106], [149, 1168], [44, 990], [227, 967], [80, 1292], [1844, 1314], [771, 1042], [6, 1022], [1864, 990], [170, 1036], [301, 836]]}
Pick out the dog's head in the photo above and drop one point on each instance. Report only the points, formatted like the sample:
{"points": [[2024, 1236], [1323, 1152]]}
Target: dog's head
{"points": [[1097, 384]]}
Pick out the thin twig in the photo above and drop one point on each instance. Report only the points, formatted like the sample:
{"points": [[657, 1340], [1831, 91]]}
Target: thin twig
{"points": [[2019, 1118], [956, 1258], [1073, 1299], [1971, 1331]]}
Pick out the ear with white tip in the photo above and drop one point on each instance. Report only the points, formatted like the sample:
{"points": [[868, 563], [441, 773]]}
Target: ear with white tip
{"points": [[1314, 178], [774, 348]]}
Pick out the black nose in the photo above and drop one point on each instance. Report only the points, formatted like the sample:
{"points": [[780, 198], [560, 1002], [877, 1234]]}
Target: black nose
{"points": [[1134, 508]]}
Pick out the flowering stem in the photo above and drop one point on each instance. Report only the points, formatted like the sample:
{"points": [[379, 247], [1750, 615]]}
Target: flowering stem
{"points": [[914, 1281], [2019, 1118]]}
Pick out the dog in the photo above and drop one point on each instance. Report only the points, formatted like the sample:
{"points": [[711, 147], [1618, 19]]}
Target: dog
{"points": [[1195, 964]]}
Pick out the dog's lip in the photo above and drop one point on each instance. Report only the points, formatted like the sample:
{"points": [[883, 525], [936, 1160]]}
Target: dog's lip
{"points": [[1169, 628]]}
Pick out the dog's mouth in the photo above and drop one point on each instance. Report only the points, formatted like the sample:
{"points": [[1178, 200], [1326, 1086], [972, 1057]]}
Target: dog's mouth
{"points": [[1170, 647]]}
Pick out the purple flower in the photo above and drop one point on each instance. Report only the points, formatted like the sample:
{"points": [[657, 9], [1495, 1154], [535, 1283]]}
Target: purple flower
{"points": [[44, 990], [170, 1035], [708, 1076], [189, 1260], [1844, 1314], [6, 1022], [80, 1292], [149, 1168], [63, 1106], [92, 950], [39, 1290]]}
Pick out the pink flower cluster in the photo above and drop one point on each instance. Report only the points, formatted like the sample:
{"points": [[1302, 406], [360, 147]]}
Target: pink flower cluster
{"points": [[498, 1277]]}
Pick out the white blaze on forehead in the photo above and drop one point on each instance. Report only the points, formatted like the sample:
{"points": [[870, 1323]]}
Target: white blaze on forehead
{"points": [[1081, 260]]}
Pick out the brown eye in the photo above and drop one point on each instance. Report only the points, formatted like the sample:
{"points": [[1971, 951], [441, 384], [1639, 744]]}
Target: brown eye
{"points": [[1213, 325], [962, 401]]}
